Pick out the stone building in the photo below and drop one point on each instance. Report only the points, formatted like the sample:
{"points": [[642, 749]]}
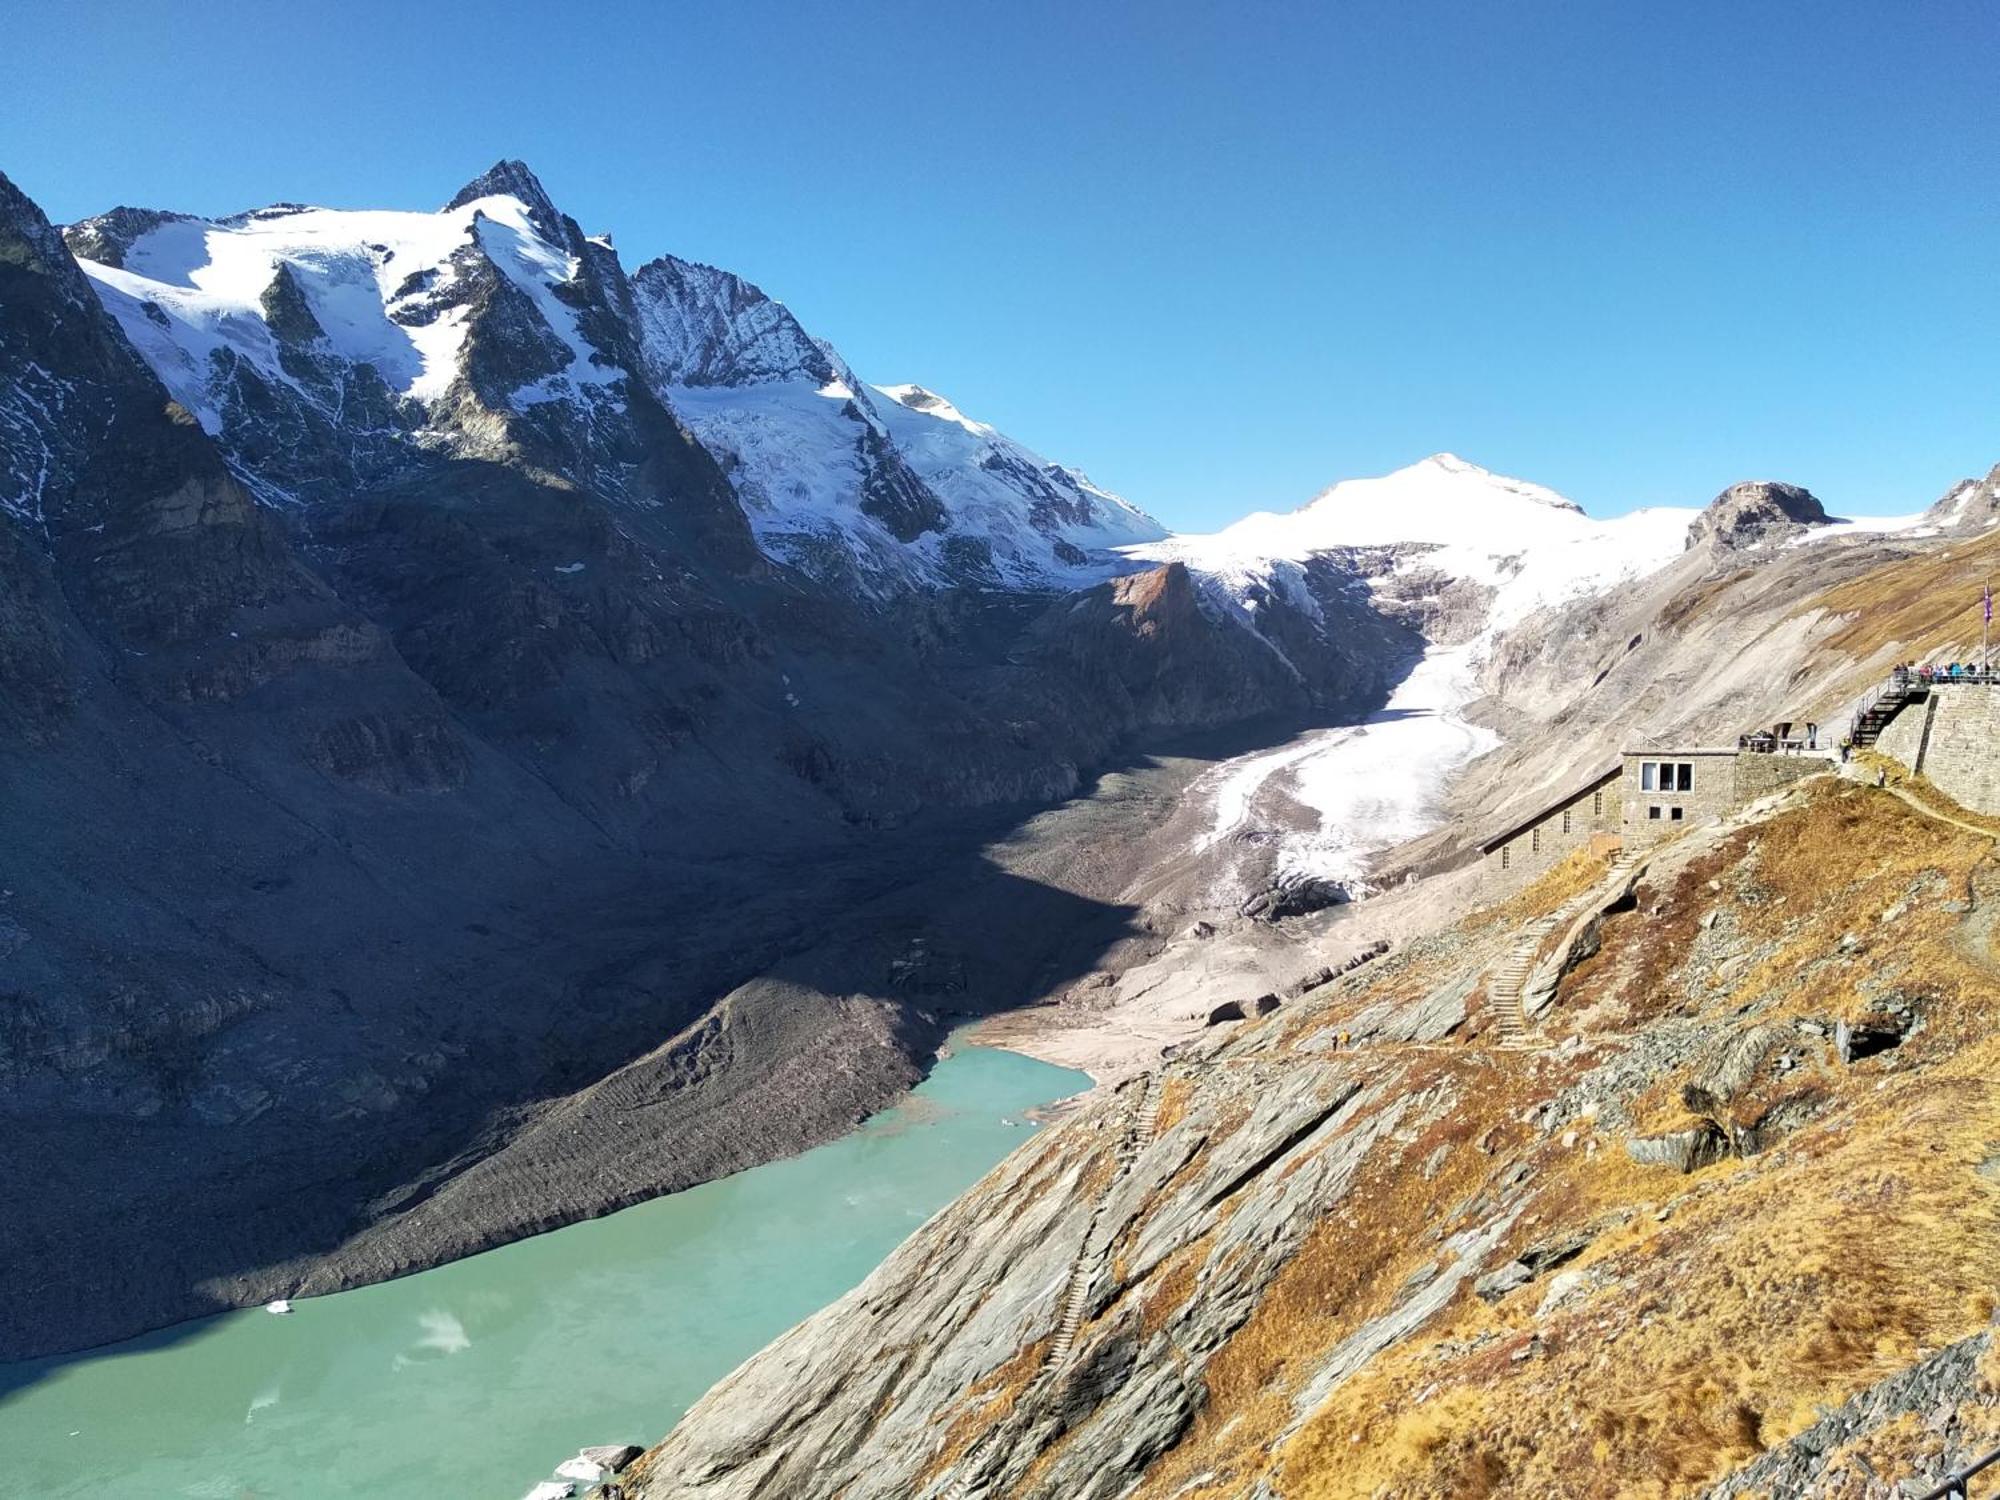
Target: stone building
{"points": [[1667, 790], [1653, 793], [1529, 847]]}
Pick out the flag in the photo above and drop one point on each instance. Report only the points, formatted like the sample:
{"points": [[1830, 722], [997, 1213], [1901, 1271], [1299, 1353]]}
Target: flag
{"points": [[1989, 604]]}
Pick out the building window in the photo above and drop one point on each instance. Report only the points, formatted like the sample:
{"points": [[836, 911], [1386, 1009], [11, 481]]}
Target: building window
{"points": [[1653, 814], [1666, 776], [1677, 813], [1534, 841], [1565, 820], [1505, 851], [1597, 803]]}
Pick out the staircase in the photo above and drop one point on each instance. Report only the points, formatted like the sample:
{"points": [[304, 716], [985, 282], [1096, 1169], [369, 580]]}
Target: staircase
{"points": [[1076, 1296], [1503, 990], [1868, 725], [1141, 1126], [1145, 1121], [960, 1487], [1504, 987]]}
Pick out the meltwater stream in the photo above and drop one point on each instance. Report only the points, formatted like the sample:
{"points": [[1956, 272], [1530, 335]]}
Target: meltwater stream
{"points": [[475, 1379]]}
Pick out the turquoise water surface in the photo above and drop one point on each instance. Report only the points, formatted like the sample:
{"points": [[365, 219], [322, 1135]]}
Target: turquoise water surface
{"points": [[475, 1379]]}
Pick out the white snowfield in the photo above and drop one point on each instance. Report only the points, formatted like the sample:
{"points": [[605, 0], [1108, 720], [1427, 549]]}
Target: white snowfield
{"points": [[799, 453]]}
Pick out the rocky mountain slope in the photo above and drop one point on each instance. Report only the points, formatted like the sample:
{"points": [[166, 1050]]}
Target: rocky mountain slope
{"points": [[485, 730], [437, 811], [1722, 1223]]}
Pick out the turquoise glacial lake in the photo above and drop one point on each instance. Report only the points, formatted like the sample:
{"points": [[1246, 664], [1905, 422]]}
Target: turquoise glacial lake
{"points": [[474, 1380]]}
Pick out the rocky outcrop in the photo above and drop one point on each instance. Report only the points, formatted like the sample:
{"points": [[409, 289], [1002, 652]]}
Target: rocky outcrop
{"points": [[1952, 1397], [1757, 511], [1968, 508]]}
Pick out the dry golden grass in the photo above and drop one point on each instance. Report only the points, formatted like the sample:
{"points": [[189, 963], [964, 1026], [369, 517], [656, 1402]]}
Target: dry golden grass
{"points": [[1175, 1095], [1571, 876], [1927, 603]]}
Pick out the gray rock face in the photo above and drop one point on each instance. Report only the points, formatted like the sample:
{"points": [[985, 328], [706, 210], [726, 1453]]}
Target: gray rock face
{"points": [[705, 327], [1023, 1343], [1968, 508], [612, 1456], [1757, 511]]}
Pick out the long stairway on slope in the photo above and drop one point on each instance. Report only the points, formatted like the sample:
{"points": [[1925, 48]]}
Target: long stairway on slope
{"points": [[1503, 990], [1142, 1124]]}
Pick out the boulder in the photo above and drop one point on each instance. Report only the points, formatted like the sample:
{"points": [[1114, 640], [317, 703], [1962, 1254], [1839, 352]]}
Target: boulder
{"points": [[611, 1457], [1496, 1284], [1312, 981], [1295, 898], [1872, 1035], [1685, 1149]]}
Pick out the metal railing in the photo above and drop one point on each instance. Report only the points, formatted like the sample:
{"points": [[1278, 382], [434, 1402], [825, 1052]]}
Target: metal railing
{"points": [[1766, 743], [1953, 1487], [1905, 678]]}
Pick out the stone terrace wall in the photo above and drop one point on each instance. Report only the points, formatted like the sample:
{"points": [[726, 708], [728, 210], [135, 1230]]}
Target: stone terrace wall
{"points": [[1902, 738], [1760, 775], [1963, 757]]}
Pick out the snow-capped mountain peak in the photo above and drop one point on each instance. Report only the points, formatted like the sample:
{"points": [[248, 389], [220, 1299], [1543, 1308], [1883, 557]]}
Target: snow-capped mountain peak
{"points": [[331, 349], [1522, 545], [512, 179], [702, 326], [884, 487], [1442, 498]]}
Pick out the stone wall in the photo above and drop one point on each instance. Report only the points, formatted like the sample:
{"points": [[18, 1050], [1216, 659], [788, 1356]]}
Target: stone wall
{"points": [[1960, 759], [1902, 737], [1760, 775], [1562, 829]]}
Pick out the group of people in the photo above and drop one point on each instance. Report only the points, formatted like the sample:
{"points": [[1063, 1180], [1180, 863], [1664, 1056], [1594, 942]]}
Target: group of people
{"points": [[1909, 674]]}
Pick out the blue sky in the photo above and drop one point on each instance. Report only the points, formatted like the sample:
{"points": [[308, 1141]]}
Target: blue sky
{"points": [[1217, 255]]}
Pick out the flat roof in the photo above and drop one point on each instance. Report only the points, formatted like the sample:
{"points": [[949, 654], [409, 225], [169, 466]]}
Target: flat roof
{"points": [[1682, 750], [1526, 823]]}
